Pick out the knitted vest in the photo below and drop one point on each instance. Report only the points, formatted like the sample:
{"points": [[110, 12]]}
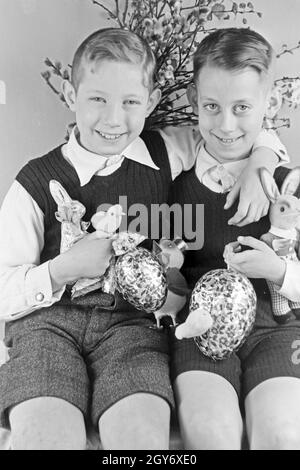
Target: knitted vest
{"points": [[136, 182], [187, 189]]}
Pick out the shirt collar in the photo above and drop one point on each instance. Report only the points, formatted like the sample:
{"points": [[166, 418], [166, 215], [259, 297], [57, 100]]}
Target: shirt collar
{"points": [[205, 162], [87, 163]]}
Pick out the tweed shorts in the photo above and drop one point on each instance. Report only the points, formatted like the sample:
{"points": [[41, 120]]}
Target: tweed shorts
{"points": [[89, 357], [266, 354]]}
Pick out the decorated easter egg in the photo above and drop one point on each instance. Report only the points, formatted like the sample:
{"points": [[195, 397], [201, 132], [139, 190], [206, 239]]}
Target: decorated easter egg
{"points": [[230, 299], [141, 279]]}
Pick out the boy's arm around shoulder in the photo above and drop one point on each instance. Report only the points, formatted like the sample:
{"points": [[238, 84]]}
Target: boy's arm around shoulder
{"points": [[268, 151], [182, 144], [25, 285]]}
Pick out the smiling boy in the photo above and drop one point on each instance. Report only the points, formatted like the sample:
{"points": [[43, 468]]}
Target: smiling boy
{"points": [[231, 93], [72, 362]]}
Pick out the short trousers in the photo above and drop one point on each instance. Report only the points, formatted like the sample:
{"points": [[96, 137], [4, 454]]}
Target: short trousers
{"points": [[265, 354], [89, 357]]}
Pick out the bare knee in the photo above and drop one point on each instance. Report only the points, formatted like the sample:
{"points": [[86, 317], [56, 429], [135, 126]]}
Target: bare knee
{"points": [[140, 421], [47, 423], [279, 436], [210, 430]]}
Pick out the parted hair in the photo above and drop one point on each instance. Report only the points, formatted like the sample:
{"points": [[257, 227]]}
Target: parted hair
{"points": [[234, 49], [114, 44]]}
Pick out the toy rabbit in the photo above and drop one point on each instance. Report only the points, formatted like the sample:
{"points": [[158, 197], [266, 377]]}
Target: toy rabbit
{"points": [[283, 237], [69, 213], [172, 256]]}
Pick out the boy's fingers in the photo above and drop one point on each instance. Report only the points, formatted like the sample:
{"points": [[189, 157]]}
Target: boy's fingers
{"points": [[265, 209], [253, 215], [240, 215], [253, 243], [231, 196]]}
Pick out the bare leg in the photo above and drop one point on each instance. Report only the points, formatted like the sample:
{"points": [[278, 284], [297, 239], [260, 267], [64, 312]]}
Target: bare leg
{"points": [[47, 423], [208, 411], [273, 414], [139, 421]]}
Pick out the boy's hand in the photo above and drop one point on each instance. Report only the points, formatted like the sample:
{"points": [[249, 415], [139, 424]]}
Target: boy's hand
{"points": [[259, 262], [89, 257], [253, 203]]}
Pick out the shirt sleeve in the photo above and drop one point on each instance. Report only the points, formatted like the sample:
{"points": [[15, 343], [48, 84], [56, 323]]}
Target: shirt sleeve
{"points": [[291, 283], [269, 138], [182, 145], [25, 284]]}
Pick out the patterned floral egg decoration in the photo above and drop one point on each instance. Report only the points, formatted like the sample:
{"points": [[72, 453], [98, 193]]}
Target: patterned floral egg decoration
{"points": [[141, 279], [231, 300]]}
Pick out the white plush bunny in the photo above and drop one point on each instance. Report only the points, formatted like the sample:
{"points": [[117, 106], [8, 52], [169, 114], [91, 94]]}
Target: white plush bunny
{"points": [[283, 236]]}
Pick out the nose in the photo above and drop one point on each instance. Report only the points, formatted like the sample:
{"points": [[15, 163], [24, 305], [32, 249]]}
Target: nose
{"points": [[112, 114], [227, 122]]}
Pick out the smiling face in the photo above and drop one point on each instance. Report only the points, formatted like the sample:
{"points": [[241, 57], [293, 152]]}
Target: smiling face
{"points": [[230, 107], [111, 104]]}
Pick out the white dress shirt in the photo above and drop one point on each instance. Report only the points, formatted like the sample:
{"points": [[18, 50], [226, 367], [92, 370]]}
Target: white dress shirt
{"points": [[25, 284]]}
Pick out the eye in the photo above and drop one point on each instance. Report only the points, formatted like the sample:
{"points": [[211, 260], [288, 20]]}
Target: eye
{"points": [[211, 107], [132, 102], [241, 108], [282, 209], [97, 99]]}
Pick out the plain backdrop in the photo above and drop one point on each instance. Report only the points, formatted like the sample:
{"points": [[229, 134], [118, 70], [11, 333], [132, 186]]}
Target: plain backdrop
{"points": [[33, 120]]}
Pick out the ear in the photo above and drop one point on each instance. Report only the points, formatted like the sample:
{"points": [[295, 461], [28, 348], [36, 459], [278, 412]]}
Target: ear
{"points": [[291, 182], [269, 184], [192, 96], [69, 94], [153, 100], [274, 103], [59, 193]]}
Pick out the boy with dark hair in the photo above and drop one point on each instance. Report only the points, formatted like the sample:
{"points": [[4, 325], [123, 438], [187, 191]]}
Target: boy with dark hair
{"points": [[231, 93]]}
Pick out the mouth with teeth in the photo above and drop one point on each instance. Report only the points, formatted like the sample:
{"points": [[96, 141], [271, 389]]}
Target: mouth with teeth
{"points": [[109, 137], [228, 141]]}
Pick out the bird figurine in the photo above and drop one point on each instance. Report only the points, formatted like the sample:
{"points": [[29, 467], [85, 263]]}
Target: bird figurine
{"points": [[107, 223], [172, 257], [198, 322]]}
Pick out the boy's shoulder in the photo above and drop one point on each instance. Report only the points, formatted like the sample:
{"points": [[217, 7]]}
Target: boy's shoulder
{"points": [[37, 162], [186, 179], [35, 175]]}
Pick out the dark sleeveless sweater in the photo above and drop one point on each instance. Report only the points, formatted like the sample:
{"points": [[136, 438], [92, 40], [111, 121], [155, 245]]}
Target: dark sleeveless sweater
{"points": [[187, 189], [139, 183]]}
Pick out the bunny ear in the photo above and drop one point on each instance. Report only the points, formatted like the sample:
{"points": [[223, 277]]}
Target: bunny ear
{"points": [[58, 193], [269, 185], [291, 182]]}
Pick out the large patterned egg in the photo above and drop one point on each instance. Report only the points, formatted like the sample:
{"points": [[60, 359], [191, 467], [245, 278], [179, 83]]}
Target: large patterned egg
{"points": [[141, 280], [231, 300]]}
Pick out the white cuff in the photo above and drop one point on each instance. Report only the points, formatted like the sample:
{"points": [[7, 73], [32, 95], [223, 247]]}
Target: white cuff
{"points": [[271, 140], [291, 283], [38, 291]]}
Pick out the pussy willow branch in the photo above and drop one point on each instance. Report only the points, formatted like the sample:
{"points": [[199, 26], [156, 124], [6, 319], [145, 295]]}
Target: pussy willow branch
{"points": [[288, 51]]}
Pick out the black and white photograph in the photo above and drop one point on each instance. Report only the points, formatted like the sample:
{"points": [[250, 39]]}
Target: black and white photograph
{"points": [[149, 227]]}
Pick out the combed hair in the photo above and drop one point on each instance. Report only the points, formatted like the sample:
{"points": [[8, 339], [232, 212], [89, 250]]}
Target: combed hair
{"points": [[234, 49], [114, 44]]}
